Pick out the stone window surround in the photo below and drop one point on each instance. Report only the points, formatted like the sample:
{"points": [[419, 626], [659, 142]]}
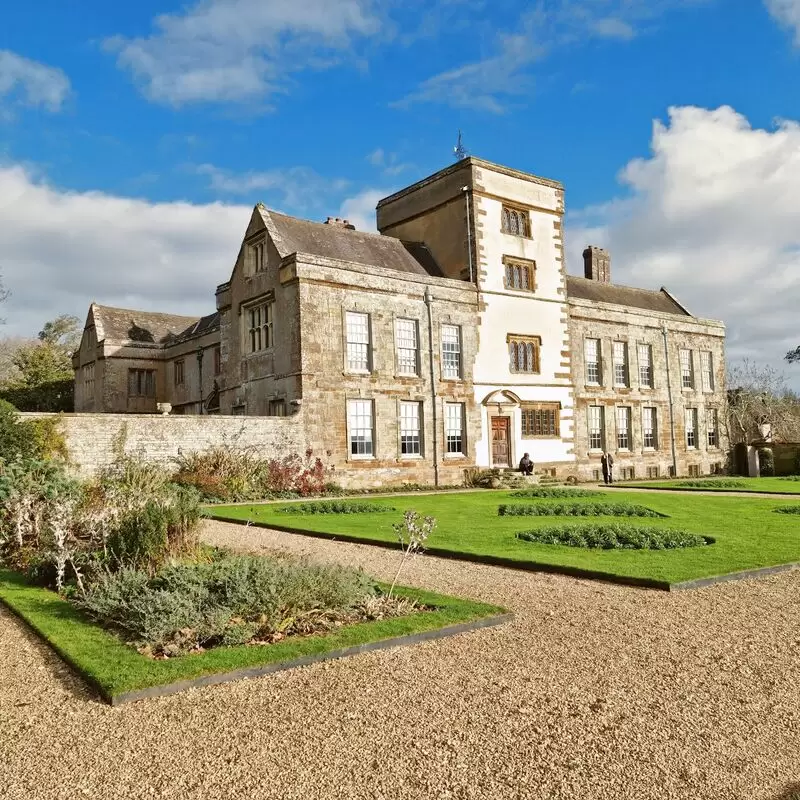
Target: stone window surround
{"points": [[523, 264], [459, 353], [712, 411], [629, 432], [420, 431], [690, 374], [179, 371], [512, 216], [347, 369], [599, 382], [646, 386], [601, 429], [532, 407], [691, 415], [417, 349], [260, 301], [535, 342], [654, 431], [360, 456], [462, 411], [624, 362], [255, 254], [145, 380], [707, 370]]}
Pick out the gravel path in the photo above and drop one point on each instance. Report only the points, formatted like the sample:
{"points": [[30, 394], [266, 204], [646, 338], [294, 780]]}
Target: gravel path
{"points": [[594, 691]]}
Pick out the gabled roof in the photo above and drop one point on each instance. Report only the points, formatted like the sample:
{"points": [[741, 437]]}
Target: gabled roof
{"points": [[596, 291], [148, 327], [291, 235]]}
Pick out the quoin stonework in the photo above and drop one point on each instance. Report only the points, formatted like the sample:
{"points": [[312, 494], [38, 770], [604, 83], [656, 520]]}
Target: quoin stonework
{"points": [[452, 338]]}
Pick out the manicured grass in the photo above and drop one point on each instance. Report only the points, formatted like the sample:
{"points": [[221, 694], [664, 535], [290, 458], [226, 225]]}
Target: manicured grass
{"points": [[747, 534], [765, 485], [115, 668]]}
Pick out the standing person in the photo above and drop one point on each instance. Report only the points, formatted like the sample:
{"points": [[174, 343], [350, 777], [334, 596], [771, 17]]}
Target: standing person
{"points": [[607, 463], [526, 465]]}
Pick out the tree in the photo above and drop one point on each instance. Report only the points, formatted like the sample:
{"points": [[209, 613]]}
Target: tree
{"points": [[758, 396], [3, 296], [793, 355], [43, 378]]}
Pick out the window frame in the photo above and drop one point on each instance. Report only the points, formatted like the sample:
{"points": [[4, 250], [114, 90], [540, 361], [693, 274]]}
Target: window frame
{"points": [[598, 362], [369, 403], [259, 326], [649, 383], [409, 433], [627, 412], [687, 370], [513, 342], [536, 420], [142, 376], [398, 349], [624, 364], [712, 432], [600, 430], [368, 369], [690, 414], [462, 436], [521, 215], [179, 372], [707, 370], [526, 267], [457, 352], [653, 434]]}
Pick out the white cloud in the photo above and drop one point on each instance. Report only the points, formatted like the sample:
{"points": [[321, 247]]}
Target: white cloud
{"points": [[493, 82], [711, 216], [787, 12], [30, 83], [61, 250], [360, 209], [300, 189], [389, 163], [232, 51]]}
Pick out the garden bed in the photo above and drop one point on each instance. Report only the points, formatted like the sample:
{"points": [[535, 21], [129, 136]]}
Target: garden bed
{"points": [[121, 674]]}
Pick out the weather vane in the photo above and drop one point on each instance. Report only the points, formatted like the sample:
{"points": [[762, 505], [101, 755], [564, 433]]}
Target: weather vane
{"points": [[459, 151]]}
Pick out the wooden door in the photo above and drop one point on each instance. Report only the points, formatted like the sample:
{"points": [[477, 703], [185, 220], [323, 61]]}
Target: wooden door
{"points": [[501, 446]]}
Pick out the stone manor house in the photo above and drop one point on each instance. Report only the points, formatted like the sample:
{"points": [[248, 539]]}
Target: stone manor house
{"points": [[453, 338]]}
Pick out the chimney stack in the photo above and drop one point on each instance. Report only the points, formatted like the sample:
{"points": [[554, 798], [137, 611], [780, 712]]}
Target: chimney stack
{"points": [[597, 264], [341, 223]]}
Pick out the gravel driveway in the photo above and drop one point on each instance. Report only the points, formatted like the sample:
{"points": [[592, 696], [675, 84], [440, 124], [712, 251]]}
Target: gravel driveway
{"points": [[594, 691]]}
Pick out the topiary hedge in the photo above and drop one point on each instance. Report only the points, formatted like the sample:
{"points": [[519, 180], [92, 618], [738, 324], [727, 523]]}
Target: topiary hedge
{"points": [[615, 537], [576, 510], [556, 491], [335, 507]]}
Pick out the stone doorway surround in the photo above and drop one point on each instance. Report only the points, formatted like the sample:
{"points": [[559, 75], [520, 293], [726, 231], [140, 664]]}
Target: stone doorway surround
{"points": [[501, 405]]}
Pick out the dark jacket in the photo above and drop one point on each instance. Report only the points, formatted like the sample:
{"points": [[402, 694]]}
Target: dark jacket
{"points": [[607, 461], [525, 463]]}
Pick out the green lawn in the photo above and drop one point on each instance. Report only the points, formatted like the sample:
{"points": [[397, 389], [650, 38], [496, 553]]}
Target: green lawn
{"points": [[766, 485], [115, 668], [748, 533]]}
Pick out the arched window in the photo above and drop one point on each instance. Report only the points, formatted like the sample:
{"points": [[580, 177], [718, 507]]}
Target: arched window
{"points": [[524, 353], [515, 221]]}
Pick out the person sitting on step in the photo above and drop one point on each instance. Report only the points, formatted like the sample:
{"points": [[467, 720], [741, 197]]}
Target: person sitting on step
{"points": [[526, 465]]}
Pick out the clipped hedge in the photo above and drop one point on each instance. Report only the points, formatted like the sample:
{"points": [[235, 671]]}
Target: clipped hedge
{"points": [[787, 509], [335, 507], [614, 537], [790, 478], [715, 483], [556, 491], [576, 510]]}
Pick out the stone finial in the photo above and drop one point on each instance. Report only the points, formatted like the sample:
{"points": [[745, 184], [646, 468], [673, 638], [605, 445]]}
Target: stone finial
{"points": [[597, 264]]}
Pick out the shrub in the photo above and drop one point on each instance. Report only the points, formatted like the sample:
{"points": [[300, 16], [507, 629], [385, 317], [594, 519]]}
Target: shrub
{"points": [[714, 483], [787, 509], [335, 507], [233, 599], [576, 510], [557, 491], [614, 537], [790, 478], [17, 437], [225, 474], [766, 461]]}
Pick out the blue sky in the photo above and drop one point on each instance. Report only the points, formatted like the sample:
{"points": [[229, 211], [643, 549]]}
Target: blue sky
{"points": [[133, 137]]}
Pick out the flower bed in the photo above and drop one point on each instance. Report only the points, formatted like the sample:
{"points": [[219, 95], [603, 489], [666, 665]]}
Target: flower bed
{"points": [[556, 491], [575, 510], [336, 507], [614, 537]]}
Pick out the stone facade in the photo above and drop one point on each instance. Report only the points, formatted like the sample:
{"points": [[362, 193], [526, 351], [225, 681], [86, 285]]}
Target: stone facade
{"points": [[453, 338]]}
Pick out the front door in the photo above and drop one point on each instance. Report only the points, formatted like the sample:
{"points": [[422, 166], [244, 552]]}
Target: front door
{"points": [[501, 446]]}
